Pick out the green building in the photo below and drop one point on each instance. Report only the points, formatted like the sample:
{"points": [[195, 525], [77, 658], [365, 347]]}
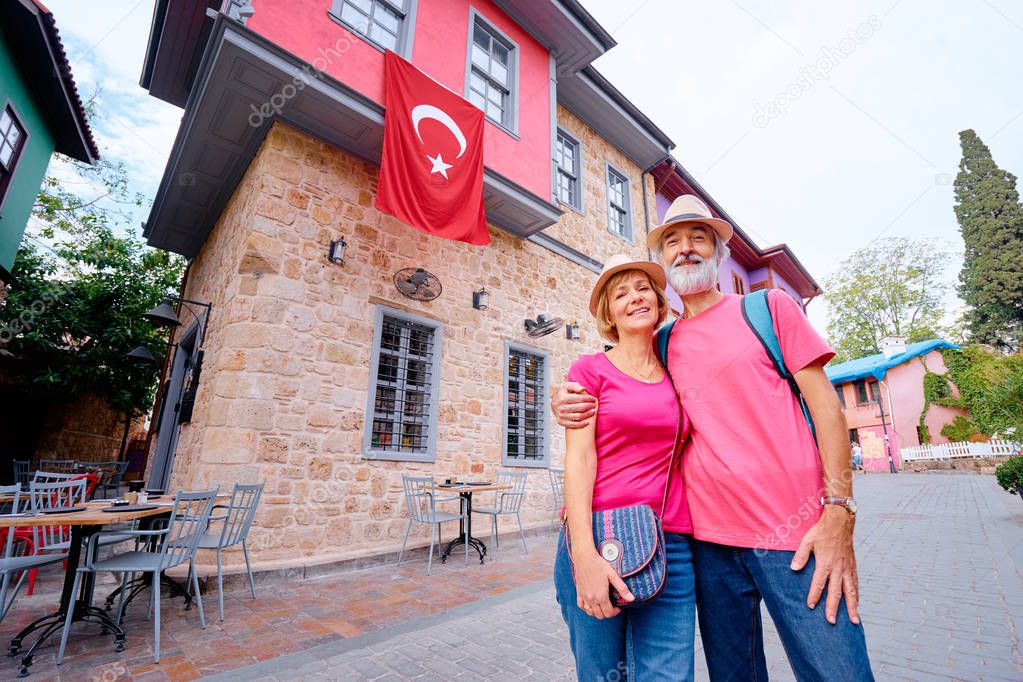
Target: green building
{"points": [[40, 112]]}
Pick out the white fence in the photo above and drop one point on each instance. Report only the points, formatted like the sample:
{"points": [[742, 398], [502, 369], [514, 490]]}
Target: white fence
{"points": [[993, 448]]}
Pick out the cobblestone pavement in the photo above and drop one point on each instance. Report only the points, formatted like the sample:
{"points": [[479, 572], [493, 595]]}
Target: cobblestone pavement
{"points": [[941, 558], [941, 568]]}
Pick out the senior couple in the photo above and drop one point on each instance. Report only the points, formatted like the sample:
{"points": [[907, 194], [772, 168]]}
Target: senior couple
{"points": [[756, 511]]}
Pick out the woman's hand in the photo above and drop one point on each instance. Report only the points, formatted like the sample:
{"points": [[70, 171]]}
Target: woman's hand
{"points": [[593, 579]]}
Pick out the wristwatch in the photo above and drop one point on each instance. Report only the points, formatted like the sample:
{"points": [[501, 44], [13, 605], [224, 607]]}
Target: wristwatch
{"points": [[847, 502]]}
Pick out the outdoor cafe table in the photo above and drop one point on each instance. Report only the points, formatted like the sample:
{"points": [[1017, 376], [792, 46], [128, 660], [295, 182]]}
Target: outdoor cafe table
{"points": [[465, 491], [84, 524]]}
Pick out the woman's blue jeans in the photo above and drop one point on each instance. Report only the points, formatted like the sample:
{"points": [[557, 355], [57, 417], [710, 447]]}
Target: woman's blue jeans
{"points": [[653, 641]]}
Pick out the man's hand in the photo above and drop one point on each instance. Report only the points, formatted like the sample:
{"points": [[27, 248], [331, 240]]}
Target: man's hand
{"points": [[831, 542], [573, 407]]}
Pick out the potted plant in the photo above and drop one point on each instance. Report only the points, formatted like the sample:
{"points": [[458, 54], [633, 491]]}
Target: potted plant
{"points": [[1010, 474]]}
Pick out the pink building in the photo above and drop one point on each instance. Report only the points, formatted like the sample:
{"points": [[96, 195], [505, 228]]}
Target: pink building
{"points": [[883, 394]]}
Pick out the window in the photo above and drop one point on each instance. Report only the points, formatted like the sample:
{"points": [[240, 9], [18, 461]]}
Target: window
{"points": [[525, 407], [12, 142], [382, 22], [402, 410], [738, 286], [841, 394], [619, 218], [866, 393], [492, 73], [567, 161]]}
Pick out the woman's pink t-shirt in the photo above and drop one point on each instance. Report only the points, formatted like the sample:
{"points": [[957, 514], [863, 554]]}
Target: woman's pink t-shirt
{"points": [[635, 433]]}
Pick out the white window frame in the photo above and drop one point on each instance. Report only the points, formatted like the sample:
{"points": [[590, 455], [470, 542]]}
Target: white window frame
{"points": [[611, 206], [429, 454], [576, 172], [507, 458], [406, 8], [510, 122]]}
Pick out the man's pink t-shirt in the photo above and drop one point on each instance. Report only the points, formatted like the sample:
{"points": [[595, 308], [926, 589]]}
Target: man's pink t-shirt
{"points": [[635, 433], [753, 473]]}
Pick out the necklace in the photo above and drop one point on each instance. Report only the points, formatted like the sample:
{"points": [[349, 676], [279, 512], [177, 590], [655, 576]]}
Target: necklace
{"points": [[645, 377]]}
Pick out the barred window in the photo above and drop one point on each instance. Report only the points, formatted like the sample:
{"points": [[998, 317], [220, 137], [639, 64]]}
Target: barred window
{"points": [[379, 21], [403, 410], [491, 73], [566, 157], [526, 408], [618, 217]]}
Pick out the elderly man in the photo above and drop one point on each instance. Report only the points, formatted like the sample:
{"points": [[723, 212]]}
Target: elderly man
{"points": [[773, 514]]}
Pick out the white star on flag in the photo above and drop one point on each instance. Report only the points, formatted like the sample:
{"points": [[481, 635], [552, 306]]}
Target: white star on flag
{"points": [[438, 165]]}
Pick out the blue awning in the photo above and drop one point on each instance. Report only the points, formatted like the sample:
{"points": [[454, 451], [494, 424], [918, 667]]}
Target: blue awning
{"points": [[877, 365]]}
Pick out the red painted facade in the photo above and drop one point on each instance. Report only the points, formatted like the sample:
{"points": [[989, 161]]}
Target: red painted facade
{"points": [[439, 48]]}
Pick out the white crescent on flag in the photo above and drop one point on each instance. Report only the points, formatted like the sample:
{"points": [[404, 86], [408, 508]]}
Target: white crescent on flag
{"points": [[424, 111]]}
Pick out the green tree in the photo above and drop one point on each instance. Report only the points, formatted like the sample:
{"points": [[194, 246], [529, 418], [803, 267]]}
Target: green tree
{"points": [[990, 388], [82, 281], [891, 288], [991, 222]]}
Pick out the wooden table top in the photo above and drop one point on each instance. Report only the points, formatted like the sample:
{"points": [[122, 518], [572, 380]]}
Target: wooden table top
{"points": [[489, 487], [93, 514]]}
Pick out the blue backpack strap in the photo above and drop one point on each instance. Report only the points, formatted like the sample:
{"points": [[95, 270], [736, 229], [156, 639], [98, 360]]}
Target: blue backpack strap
{"points": [[663, 335], [758, 316]]}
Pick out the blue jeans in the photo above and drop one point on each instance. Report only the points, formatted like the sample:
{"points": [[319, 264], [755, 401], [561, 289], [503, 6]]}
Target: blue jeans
{"points": [[653, 641], [730, 583]]}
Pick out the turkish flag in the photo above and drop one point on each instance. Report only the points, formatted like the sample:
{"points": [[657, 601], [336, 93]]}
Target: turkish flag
{"points": [[431, 174]]}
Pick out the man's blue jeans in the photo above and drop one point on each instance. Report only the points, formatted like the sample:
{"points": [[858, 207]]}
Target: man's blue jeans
{"points": [[653, 641], [730, 583]]}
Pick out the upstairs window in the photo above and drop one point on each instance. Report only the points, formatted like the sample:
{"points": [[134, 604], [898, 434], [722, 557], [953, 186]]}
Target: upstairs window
{"points": [[492, 73], [381, 22], [12, 142], [738, 286], [841, 394], [568, 162], [866, 392], [619, 216]]}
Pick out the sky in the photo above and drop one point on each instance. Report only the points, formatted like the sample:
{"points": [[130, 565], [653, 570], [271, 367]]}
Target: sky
{"points": [[826, 126]]}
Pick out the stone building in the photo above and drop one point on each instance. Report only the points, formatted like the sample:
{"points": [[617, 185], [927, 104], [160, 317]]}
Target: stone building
{"points": [[321, 377]]}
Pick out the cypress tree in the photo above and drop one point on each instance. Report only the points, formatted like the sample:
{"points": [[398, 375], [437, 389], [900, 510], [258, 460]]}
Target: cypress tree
{"points": [[991, 222]]}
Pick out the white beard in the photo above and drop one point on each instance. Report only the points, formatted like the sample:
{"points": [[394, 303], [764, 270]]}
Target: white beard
{"points": [[687, 280]]}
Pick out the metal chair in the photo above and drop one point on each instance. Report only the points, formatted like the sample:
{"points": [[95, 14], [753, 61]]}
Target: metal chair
{"points": [[58, 465], [22, 472], [41, 476], [12, 563], [237, 520], [506, 503], [557, 478], [188, 520], [421, 502], [113, 473]]}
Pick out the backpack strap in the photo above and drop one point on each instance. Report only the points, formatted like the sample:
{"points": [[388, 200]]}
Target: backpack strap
{"points": [[663, 335], [757, 315]]}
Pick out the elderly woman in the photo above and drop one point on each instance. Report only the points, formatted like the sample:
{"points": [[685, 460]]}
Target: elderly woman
{"points": [[622, 459]]}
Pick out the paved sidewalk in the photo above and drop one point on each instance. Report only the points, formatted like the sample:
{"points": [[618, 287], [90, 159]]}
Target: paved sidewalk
{"points": [[941, 558]]}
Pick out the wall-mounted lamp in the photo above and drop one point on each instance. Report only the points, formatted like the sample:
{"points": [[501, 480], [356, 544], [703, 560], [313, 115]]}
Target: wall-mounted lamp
{"points": [[572, 331], [336, 252], [164, 315], [481, 299]]}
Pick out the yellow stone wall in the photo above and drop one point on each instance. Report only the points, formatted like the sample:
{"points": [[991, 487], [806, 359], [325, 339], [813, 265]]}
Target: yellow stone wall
{"points": [[284, 383]]}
